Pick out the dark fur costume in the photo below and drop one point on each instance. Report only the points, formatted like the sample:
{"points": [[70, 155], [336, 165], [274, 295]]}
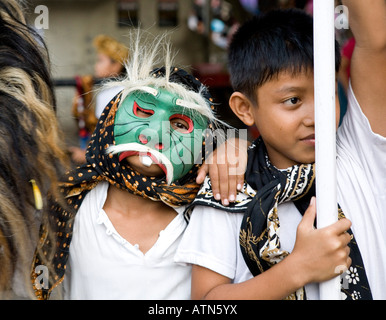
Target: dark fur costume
{"points": [[29, 142]]}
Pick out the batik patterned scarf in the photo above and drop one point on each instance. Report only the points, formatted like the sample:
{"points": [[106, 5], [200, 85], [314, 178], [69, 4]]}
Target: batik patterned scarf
{"points": [[259, 232], [101, 166]]}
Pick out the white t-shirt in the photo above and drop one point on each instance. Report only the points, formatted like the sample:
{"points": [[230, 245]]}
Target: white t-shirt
{"points": [[103, 265], [212, 237]]}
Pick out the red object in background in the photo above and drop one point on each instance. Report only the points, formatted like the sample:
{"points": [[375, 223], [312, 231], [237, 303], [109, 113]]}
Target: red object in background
{"points": [[212, 74], [217, 79], [347, 51]]}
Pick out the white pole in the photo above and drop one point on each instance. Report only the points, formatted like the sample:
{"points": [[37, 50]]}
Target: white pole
{"points": [[325, 144]]}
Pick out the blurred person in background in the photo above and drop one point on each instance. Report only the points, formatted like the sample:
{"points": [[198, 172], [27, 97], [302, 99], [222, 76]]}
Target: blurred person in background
{"points": [[87, 106]]}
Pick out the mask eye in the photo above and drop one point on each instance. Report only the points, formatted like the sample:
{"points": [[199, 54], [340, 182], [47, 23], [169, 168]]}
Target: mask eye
{"points": [[141, 112], [181, 123]]}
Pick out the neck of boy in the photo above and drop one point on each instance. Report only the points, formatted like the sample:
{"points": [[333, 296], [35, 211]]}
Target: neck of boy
{"points": [[278, 160], [129, 204]]}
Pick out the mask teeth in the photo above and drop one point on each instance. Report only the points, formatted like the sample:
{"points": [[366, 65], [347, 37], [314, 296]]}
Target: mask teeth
{"points": [[141, 148], [146, 161]]}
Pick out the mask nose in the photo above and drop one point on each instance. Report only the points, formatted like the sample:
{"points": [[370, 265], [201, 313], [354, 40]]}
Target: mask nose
{"points": [[155, 137], [159, 146], [143, 139]]}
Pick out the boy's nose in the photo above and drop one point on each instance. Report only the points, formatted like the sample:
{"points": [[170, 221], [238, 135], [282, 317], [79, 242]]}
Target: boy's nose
{"points": [[309, 117], [309, 121]]}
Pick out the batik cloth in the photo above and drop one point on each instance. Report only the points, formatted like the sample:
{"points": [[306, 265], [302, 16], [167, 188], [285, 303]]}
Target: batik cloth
{"points": [[265, 189]]}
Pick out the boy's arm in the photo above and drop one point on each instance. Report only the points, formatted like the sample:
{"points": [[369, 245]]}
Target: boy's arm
{"points": [[226, 168], [316, 255], [368, 65], [273, 284]]}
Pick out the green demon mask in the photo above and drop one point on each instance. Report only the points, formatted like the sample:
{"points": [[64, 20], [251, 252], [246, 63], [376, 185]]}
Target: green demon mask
{"points": [[156, 125]]}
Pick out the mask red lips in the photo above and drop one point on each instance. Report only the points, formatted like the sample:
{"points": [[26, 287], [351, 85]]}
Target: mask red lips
{"points": [[126, 154]]}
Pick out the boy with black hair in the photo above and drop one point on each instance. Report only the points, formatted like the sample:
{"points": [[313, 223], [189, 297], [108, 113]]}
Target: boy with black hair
{"points": [[277, 253]]}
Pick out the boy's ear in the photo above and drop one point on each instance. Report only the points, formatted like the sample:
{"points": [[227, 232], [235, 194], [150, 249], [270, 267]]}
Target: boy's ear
{"points": [[242, 108]]}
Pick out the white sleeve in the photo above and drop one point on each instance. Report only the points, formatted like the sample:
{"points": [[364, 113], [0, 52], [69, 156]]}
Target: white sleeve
{"points": [[103, 98], [211, 240], [358, 144], [356, 135]]}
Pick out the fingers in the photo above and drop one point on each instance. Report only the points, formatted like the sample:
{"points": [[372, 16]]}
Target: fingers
{"points": [[232, 191], [219, 182], [345, 238], [240, 170], [324, 252], [337, 228], [239, 181], [229, 182], [224, 180], [344, 262], [341, 226], [349, 262], [226, 168], [201, 173], [224, 186], [224, 173]]}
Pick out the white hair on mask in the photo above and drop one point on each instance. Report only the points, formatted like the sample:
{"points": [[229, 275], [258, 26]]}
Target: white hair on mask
{"points": [[146, 55]]}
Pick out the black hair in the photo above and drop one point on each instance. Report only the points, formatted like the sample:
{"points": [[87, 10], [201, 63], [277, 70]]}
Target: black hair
{"points": [[182, 77], [280, 40]]}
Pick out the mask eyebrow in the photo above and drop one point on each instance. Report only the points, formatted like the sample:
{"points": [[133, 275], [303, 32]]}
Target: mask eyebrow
{"points": [[146, 89], [187, 104]]}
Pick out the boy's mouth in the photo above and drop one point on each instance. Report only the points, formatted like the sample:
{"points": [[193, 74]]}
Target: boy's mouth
{"points": [[310, 137], [309, 140]]}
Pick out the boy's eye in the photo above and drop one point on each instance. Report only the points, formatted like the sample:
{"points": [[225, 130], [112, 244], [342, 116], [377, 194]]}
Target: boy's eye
{"points": [[292, 101], [181, 123], [141, 112]]}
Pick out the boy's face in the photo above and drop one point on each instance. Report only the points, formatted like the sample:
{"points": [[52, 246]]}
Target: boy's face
{"points": [[285, 118]]}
